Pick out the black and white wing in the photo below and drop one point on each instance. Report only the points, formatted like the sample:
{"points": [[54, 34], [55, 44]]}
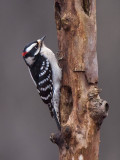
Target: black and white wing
{"points": [[41, 74]]}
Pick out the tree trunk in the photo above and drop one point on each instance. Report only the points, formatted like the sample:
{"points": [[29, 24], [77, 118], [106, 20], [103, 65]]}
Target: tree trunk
{"points": [[81, 109]]}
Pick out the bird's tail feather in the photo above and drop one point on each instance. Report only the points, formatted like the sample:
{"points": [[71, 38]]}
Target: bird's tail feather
{"points": [[57, 122], [53, 114]]}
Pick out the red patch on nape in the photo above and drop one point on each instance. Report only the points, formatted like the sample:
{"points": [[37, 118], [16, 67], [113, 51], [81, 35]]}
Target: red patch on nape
{"points": [[24, 53]]}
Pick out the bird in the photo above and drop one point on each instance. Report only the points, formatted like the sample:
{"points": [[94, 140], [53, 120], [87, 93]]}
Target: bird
{"points": [[45, 73]]}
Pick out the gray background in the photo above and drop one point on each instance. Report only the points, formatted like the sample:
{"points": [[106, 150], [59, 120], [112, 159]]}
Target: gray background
{"points": [[25, 122]]}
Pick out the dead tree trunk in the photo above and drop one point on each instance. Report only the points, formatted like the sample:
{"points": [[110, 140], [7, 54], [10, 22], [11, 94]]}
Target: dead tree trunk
{"points": [[81, 109]]}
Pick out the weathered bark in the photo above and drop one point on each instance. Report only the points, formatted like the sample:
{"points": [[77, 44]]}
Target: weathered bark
{"points": [[81, 109]]}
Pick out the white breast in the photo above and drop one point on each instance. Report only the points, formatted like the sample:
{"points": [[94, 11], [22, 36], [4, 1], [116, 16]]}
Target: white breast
{"points": [[56, 70], [56, 76]]}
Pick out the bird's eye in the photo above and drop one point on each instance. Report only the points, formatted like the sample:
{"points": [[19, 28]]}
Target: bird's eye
{"points": [[36, 47]]}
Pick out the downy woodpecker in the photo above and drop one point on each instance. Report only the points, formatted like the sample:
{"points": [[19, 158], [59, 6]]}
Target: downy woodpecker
{"points": [[45, 73]]}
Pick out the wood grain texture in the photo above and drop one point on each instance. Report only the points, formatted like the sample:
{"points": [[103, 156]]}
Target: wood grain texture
{"points": [[81, 109]]}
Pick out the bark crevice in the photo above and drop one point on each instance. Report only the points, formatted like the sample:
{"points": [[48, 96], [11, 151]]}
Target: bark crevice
{"points": [[67, 103], [57, 15], [86, 6]]}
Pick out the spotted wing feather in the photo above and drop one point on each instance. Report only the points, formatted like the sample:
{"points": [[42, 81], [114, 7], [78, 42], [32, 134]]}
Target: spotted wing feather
{"points": [[42, 75]]}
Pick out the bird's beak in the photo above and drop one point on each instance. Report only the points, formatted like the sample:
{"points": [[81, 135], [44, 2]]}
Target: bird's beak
{"points": [[41, 40]]}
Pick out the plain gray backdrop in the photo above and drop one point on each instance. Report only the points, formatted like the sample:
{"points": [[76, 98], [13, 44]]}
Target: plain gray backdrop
{"points": [[25, 122]]}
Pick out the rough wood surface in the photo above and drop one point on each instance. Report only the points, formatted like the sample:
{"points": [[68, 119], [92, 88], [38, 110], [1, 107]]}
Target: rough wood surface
{"points": [[81, 109]]}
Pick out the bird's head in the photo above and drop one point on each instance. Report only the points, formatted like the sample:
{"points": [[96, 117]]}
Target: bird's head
{"points": [[32, 50]]}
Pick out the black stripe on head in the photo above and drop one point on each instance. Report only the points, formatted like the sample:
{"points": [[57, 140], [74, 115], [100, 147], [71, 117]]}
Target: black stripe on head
{"points": [[28, 45]]}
